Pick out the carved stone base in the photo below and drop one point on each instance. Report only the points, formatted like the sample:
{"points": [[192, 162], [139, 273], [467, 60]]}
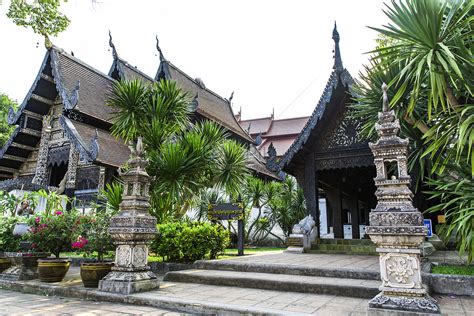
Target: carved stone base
{"points": [[399, 305], [128, 282], [25, 266]]}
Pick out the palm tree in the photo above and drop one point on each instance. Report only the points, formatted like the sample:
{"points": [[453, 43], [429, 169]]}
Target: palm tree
{"points": [[425, 55], [185, 157]]}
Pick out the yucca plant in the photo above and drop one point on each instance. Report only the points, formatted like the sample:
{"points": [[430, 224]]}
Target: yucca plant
{"points": [[185, 157], [425, 56]]}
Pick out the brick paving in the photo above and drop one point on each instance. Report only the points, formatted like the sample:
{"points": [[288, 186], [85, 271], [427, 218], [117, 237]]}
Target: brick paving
{"points": [[14, 303]]}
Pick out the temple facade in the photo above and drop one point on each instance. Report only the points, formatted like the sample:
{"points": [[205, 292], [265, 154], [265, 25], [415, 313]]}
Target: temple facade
{"points": [[333, 166], [62, 139]]}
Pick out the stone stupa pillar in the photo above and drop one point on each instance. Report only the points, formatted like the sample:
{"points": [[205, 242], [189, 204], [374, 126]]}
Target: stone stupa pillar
{"points": [[396, 226], [132, 230]]}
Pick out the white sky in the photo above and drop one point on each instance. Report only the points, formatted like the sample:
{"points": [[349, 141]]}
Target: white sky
{"points": [[269, 52]]}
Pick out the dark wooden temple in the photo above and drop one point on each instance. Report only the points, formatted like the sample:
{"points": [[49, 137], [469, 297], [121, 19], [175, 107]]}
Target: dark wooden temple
{"points": [[62, 133], [329, 161]]}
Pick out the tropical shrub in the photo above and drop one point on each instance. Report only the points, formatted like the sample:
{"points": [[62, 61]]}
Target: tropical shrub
{"points": [[189, 241], [53, 232], [8, 203], [8, 242], [185, 157], [428, 66]]}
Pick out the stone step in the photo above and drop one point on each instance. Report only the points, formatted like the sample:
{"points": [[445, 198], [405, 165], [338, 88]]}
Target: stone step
{"points": [[341, 241], [358, 288], [294, 269], [343, 248]]}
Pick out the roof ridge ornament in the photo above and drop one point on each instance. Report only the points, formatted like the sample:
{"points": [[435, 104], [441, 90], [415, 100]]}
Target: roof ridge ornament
{"points": [[337, 53], [229, 100], [47, 42], [162, 57], [111, 44], [94, 146]]}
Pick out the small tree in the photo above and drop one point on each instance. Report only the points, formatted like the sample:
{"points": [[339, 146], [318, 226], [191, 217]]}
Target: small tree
{"points": [[5, 129], [185, 157], [43, 16]]}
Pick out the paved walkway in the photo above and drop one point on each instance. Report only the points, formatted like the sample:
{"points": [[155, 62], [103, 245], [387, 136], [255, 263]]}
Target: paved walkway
{"points": [[14, 303], [200, 298]]}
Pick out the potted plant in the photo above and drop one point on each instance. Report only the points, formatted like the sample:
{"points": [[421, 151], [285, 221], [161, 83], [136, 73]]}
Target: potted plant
{"points": [[53, 233], [95, 242]]}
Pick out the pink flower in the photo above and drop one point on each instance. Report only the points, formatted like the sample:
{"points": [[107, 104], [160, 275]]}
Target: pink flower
{"points": [[58, 213], [37, 220]]}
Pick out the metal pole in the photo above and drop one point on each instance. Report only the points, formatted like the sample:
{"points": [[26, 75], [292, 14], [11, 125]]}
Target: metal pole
{"points": [[240, 237]]}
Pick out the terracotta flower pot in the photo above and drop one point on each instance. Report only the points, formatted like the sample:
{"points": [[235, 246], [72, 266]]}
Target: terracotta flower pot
{"points": [[93, 272], [5, 263], [52, 269]]}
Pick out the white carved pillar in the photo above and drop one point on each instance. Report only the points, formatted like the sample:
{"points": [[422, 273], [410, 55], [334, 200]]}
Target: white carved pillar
{"points": [[396, 227]]}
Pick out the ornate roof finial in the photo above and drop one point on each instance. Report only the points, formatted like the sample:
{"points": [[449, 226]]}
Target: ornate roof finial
{"points": [[337, 54], [385, 97], [47, 42], [229, 100], [273, 113], [111, 44], [162, 58]]}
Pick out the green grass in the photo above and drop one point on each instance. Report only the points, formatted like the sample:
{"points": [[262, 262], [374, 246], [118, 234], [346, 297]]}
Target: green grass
{"points": [[456, 270], [228, 253], [251, 251]]}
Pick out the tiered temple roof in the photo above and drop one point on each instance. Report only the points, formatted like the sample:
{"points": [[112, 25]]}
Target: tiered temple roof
{"points": [[81, 91]]}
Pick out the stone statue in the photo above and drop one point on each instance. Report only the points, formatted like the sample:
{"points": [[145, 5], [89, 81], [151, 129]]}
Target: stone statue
{"points": [[303, 234], [304, 226], [62, 185]]}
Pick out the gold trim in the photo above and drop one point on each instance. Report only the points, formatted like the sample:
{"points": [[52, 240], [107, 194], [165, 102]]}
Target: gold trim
{"points": [[54, 264], [95, 268]]}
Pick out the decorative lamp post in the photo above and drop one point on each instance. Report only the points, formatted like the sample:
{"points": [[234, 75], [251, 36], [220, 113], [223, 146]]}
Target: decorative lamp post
{"points": [[396, 226], [132, 230]]}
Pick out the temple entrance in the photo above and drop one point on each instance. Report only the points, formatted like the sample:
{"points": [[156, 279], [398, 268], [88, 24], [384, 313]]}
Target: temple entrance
{"points": [[349, 196]]}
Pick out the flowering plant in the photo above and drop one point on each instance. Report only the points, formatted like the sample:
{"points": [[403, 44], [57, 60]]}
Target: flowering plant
{"points": [[53, 232], [95, 237]]}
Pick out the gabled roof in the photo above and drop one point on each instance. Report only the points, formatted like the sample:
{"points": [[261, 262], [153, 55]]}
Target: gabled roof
{"points": [[257, 126], [82, 88], [338, 76], [208, 103]]}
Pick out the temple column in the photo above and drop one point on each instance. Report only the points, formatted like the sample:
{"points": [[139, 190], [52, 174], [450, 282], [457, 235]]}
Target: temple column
{"points": [[42, 163], [354, 207], [310, 187], [334, 200]]}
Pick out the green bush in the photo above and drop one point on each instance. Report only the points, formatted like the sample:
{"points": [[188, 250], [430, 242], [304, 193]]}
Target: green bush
{"points": [[8, 242], [190, 241]]}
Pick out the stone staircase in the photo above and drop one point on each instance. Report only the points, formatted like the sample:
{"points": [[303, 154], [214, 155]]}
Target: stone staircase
{"points": [[345, 246], [342, 282]]}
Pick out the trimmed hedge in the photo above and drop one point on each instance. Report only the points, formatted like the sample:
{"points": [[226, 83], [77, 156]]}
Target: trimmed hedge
{"points": [[189, 241]]}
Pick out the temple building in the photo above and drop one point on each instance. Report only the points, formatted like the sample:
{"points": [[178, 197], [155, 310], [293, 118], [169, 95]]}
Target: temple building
{"points": [[330, 163], [280, 133], [62, 139]]}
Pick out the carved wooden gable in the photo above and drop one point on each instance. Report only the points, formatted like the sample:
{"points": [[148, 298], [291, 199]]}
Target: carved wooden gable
{"points": [[339, 145]]}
